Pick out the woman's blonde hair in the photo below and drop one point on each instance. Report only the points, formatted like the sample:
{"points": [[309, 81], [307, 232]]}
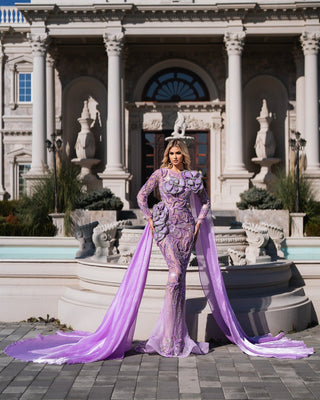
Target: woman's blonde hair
{"points": [[184, 150]]}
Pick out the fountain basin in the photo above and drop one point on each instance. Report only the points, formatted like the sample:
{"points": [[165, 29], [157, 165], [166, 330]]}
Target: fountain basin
{"points": [[261, 295]]}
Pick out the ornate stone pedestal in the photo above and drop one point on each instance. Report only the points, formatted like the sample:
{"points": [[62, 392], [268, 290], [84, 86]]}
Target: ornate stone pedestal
{"points": [[265, 177], [117, 182], [234, 183], [297, 224], [90, 181]]}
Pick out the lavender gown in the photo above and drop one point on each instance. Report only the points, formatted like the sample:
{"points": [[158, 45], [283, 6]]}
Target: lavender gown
{"points": [[183, 200], [174, 230]]}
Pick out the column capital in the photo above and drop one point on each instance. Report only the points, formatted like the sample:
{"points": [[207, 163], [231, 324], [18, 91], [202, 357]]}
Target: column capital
{"points": [[39, 43], [113, 43], [310, 42], [234, 42]]}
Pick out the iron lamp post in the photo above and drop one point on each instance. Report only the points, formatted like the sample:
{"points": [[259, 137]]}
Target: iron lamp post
{"points": [[297, 144], [54, 145]]}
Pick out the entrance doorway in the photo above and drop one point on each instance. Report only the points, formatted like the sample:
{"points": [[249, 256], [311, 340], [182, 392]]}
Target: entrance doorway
{"points": [[154, 144]]}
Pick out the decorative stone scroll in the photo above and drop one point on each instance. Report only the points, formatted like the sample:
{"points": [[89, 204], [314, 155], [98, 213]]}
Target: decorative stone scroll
{"points": [[257, 237], [276, 235], [105, 237], [237, 257]]}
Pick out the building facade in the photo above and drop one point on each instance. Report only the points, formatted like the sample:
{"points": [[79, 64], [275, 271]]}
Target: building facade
{"points": [[245, 76]]}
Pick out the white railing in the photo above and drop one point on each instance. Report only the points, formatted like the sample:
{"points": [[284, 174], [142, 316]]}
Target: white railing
{"points": [[10, 15]]}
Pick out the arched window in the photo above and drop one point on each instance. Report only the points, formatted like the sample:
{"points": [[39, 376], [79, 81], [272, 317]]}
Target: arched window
{"points": [[175, 84]]}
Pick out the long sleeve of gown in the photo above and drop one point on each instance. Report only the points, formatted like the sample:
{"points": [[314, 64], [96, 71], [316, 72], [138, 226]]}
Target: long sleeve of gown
{"points": [[144, 192], [205, 201]]}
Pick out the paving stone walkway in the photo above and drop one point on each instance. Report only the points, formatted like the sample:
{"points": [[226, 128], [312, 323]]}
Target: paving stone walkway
{"points": [[224, 373]]}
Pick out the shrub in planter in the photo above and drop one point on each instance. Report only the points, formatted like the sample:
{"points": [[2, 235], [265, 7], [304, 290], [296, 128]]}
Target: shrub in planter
{"points": [[102, 199], [259, 199]]}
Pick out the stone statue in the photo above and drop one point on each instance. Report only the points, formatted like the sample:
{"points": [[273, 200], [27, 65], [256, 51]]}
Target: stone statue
{"points": [[265, 145], [265, 148], [179, 130]]}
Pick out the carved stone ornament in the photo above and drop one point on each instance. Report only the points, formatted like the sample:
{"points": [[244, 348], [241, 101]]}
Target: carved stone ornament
{"points": [[257, 237], [277, 236], [196, 123], [39, 44], [179, 130], [234, 42], [105, 238], [113, 43], [237, 257], [83, 234], [310, 42]]}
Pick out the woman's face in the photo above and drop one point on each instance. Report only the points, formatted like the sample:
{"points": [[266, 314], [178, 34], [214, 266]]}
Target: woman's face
{"points": [[176, 157]]}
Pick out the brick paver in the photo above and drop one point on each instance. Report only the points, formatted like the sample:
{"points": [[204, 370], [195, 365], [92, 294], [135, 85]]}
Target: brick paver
{"points": [[224, 373]]}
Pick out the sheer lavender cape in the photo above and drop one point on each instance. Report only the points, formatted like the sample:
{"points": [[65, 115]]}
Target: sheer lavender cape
{"points": [[114, 336]]}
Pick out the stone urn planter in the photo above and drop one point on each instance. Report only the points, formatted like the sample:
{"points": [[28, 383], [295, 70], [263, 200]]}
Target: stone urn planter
{"points": [[273, 217], [83, 217]]}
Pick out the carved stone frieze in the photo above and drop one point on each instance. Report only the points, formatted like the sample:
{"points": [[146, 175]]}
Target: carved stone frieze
{"points": [[152, 124], [195, 123]]}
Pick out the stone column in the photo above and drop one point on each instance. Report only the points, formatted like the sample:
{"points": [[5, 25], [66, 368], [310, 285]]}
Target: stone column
{"points": [[51, 126], [310, 46], [234, 151], [2, 189], [235, 177], [114, 176], [39, 120], [300, 91]]}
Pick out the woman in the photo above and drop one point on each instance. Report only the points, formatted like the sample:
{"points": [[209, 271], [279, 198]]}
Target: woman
{"points": [[175, 225], [174, 229]]}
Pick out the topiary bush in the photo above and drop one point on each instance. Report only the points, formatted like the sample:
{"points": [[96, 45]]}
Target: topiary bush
{"points": [[102, 199], [259, 199]]}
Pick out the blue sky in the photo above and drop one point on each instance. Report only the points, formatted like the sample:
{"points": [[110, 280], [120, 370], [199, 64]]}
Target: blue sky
{"points": [[11, 2]]}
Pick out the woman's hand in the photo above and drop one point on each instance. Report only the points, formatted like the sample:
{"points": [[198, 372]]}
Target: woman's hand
{"points": [[150, 222], [196, 231]]}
